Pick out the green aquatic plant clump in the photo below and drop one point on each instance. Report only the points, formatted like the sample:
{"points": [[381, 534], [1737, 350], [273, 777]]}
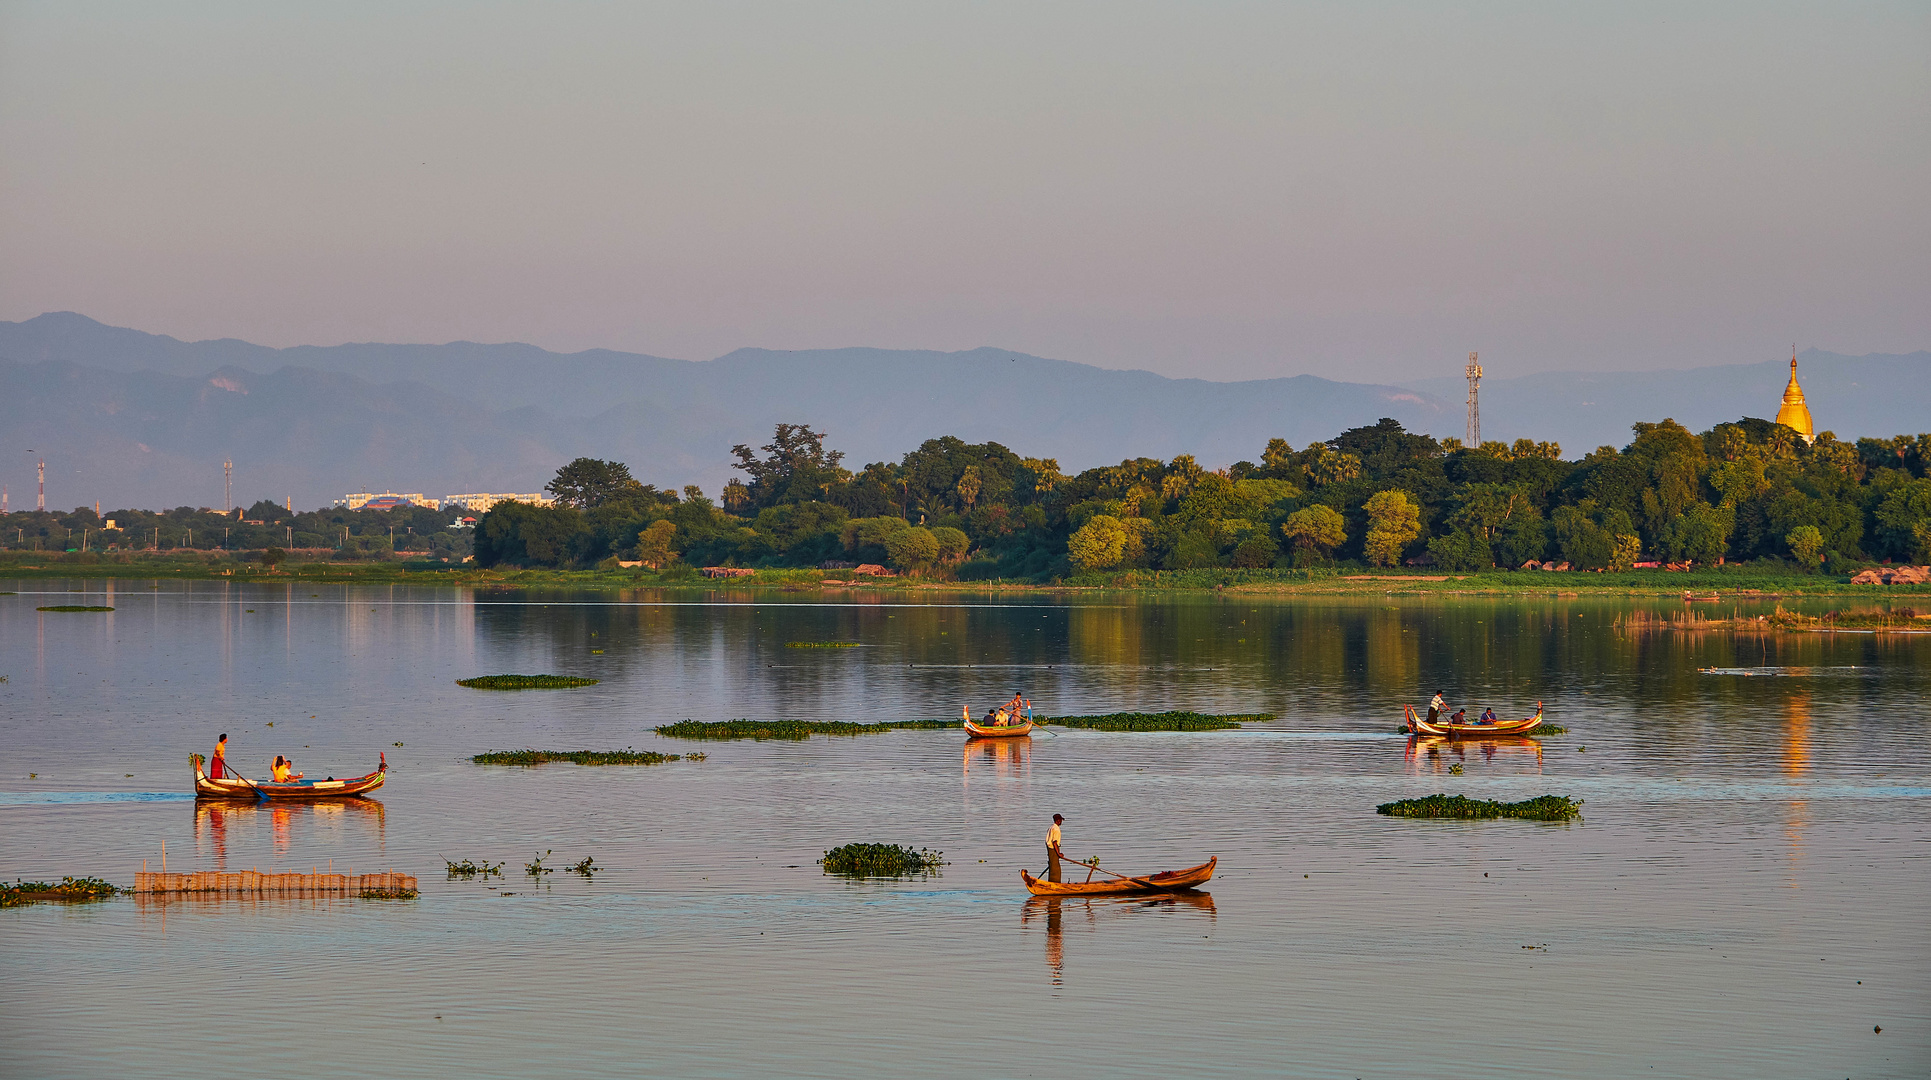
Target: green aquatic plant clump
{"points": [[73, 607], [469, 868], [525, 682], [574, 757], [880, 860], [388, 894], [821, 644], [68, 889], [794, 730], [1546, 808], [1166, 721]]}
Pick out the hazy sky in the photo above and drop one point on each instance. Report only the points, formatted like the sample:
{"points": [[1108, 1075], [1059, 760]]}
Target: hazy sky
{"points": [[1213, 189]]}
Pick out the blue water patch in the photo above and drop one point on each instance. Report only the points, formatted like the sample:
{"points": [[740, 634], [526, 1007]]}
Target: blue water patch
{"points": [[55, 798]]}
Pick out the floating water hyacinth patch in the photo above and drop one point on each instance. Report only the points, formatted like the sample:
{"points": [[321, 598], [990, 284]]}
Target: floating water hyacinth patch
{"points": [[880, 860], [573, 757], [388, 894], [68, 890], [525, 682], [794, 730], [1546, 808], [1164, 721], [469, 869], [74, 607], [821, 644]]}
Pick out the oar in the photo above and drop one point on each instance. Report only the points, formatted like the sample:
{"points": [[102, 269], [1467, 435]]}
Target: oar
{"points": [[1122, 877]]}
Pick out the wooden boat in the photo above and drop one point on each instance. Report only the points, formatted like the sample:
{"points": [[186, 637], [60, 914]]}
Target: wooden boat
{"points": [[1166, 881], [976, 731], [996, 731], [1444, 726], [237, 787]]}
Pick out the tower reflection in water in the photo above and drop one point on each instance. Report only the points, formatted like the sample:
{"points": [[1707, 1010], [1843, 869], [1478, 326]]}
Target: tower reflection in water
{"points": [[1094, 912], [224, 825], [1796, 769]]}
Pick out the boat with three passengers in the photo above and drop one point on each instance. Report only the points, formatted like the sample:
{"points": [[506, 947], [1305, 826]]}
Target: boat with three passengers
{"points": [[1445, 725]]}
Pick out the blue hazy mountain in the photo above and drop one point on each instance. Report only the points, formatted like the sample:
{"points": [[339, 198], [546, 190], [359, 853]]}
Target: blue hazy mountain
{"points": [[136, 419]]}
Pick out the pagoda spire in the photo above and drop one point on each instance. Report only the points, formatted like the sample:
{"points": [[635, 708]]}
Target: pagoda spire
{"points": [[1795, 413]]}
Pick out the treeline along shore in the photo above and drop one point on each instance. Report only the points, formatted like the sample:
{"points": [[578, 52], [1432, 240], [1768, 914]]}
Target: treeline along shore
{"points": [[1741, 501]]}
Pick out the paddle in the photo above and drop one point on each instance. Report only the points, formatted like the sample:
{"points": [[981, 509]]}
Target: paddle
{"points": [[1123, 877]]}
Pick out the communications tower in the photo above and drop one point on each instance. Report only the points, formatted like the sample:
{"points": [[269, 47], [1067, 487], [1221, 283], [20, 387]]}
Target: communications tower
{"points": [[1474, 410], [227, 487], [41, 504]]}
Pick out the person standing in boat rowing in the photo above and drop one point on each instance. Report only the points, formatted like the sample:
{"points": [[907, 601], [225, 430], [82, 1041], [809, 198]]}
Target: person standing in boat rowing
{"points": [[218, 764], [1052, 849], [1437, 707]]}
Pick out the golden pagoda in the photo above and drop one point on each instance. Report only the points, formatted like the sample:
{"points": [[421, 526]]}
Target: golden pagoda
{"points": [[1794, 412]]}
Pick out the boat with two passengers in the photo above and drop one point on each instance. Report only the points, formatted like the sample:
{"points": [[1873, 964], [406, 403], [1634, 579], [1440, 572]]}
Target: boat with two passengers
{"points": [[1165, 881], [240, 787], [1445, 726]]}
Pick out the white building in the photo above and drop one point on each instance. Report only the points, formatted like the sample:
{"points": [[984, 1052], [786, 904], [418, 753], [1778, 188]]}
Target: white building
{"points": [[478, 502], [386, 500]]}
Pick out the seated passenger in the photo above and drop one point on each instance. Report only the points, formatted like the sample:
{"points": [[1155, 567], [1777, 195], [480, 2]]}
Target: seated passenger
{"points": [[282, 771], [1488, 716], [1460, 717]]}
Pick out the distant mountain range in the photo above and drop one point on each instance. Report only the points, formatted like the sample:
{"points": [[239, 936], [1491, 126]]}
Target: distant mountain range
{"points": [[136, 419]]}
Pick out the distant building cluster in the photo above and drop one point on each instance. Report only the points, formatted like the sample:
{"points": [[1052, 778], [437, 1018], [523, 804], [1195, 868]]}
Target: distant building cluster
{"points": [[474, 501]]}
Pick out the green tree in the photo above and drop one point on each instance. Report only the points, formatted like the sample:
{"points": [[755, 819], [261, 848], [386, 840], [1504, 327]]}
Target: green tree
{"points": [[1255, 551], [1393, 522], [1097, 545], [654, 544], [795, 467], [1806, 543], [272, 558], [913, 548], [1904, 520], [1315, 531], [589, 482], [953, 543]]}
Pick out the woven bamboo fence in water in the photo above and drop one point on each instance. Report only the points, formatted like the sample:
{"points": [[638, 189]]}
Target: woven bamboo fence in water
{"points": [[252, 883]]}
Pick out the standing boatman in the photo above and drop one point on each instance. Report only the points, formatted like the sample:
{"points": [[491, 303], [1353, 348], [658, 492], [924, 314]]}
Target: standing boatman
{"points": [[1052, 849], [218, 765], [1437, 707]]}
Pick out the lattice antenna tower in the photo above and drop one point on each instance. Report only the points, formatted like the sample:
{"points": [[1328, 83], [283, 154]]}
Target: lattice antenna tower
{"points": [[41, 504], [228, 487], [1474, 408]]}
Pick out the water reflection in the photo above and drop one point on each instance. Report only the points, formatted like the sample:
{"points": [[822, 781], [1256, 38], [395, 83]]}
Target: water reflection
{"points": [[219, 825], [1437, 753], [1094, 911], [1000, 758], [1796, 766]]}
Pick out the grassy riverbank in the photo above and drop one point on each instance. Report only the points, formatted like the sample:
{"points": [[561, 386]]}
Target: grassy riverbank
{"points": [[1736, 582]]}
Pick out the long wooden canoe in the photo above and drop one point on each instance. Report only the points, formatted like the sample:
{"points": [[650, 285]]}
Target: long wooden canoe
{"points": [[977, 731], [1443, 726], [1166, 881], [235, 787]]}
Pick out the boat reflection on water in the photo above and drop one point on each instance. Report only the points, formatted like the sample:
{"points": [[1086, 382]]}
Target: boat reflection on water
{"points": [[1436, 753], [219, 824], [1004, 757], [1092, 911]]}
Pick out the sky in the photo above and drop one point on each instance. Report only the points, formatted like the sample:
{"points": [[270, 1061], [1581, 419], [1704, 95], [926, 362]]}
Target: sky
{"points": [[1217, 190]]}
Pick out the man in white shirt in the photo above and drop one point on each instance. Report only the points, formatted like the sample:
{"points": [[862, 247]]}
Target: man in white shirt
{"points": [[1437, 707], [1052, 849]]}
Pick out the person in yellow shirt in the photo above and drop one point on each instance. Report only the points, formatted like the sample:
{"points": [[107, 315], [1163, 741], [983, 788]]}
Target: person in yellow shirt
{"points": [[283, 770], [1052, 849]]}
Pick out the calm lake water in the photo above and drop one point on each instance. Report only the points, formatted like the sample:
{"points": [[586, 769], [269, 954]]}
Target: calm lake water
{"points": [[1746, 895]]}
